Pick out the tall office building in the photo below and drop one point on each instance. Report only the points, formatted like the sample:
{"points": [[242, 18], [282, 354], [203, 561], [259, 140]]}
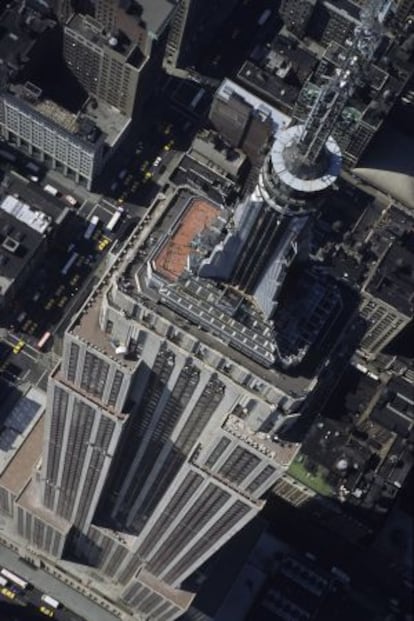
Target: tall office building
{"points": [[117, 54], [162, 418], [195, 23]]}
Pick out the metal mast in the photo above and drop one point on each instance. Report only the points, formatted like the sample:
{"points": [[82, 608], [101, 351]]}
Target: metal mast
{"points": [[334, 95]]}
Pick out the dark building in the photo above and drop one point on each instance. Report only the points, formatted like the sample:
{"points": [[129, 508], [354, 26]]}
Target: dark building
{"points": [[195, 24]]}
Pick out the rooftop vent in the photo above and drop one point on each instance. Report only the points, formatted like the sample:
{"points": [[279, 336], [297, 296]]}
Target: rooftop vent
{"points": [[10, 244]]}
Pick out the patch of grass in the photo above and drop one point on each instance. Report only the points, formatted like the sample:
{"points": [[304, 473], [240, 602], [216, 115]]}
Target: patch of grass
{"points": [[314, 480]]}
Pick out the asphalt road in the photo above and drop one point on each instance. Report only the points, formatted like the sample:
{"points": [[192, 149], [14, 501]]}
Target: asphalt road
{"points": [[76, 607]]}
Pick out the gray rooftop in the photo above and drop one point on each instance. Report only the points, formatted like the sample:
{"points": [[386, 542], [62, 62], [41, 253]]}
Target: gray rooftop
{"points": [[393, 280], [156, 14]]}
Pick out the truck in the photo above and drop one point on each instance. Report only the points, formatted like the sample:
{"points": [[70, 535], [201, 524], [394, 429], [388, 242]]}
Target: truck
{"points": [[50, 601]]}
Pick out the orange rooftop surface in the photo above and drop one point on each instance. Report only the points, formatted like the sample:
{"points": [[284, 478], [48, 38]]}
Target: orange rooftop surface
{"points": [[171, 260]]}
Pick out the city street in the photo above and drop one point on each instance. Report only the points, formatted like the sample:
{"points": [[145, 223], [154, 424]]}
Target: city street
{"points": [[75, 606]]}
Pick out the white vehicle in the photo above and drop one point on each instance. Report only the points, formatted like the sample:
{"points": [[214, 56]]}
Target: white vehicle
{"points": [[3, 581], [11, 577], [21, 317], [157, 161], [50, 601], [264, 17], [113, 221], [91, 227], [51, 189], [71, 200], [33, 178], [69, 263]]}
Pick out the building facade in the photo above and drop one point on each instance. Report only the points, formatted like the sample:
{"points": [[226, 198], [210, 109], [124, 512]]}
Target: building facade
{"points": [[56, 138]]}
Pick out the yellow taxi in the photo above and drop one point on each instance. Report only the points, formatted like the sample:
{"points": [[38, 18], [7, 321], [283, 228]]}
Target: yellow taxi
{"points": [[168, 129], [5, 591], [46, 611], [148, 175], [18, 347], [103, 243], [49, 304], [62, 301]]}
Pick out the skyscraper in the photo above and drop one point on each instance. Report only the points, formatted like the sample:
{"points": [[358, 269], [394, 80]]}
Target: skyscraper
{"points": [[162, 421], [195, 23]]}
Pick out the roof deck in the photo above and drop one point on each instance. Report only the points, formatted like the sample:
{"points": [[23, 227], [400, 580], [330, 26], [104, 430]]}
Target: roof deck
{"points": [[172, 259]]}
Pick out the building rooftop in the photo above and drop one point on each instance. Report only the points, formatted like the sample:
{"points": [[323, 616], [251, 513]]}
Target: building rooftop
{"points": [[20, 438], [33, 218], [30, 500], [228, 89], [21, 466], [393, 280], [19, 243], [173, 257], [59, 115], [156, 14], [395, 409], [17, 36], [270, 86], [176, 596]]}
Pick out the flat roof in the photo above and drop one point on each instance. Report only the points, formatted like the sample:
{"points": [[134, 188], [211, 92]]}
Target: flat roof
{"points": [[18, 245], [156, 14], [19, 469], [393, 280], [172, 259], [16, 430]]}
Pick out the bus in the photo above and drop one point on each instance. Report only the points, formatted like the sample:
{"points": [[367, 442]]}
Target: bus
{"points": [[43, 340], [50, 601], [11, 577], [69, 263], [114, 220], [91, 227]]}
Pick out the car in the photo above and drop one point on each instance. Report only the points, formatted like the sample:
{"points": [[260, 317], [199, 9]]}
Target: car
{"points": [[157, 161], [46, 611], [5, 591], [144, 166], [19, 346], [62, 301], [168, 129]]}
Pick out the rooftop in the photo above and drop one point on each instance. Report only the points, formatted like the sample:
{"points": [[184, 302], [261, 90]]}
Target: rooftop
{"points": [[271, 86], [20, 438], [227, 89], [172, 259], [19, 243], [20, 468], [393, 280], [155, 14]]}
